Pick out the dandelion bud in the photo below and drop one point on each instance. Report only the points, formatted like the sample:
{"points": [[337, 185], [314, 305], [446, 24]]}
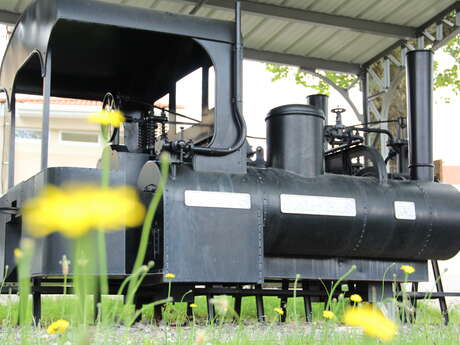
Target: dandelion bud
{"points": [[65, 264]]}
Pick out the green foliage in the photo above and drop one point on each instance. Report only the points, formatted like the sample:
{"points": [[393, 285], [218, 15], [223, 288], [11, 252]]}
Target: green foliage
{"points": [[448, 77], [306, 79]]}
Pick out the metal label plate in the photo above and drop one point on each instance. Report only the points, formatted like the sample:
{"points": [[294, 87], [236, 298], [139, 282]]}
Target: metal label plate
{"points": [[318, 205], [405, 210], [198, 198]]}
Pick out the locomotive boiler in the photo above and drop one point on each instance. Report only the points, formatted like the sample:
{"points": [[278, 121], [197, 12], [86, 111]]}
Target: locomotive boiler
{"points": [[319, 202]]}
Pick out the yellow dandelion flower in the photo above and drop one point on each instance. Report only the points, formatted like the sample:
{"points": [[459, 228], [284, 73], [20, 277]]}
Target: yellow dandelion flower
{"points": [[58, 327], [193, 305], [106, 117], [407, 269], [372, 321], [356, 298], [279, 310], [170, 276], [18, 254], [328, 314], [75, 209]]}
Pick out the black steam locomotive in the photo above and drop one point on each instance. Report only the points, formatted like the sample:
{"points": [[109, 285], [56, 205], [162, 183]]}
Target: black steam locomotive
{"points": [[229, 217]]}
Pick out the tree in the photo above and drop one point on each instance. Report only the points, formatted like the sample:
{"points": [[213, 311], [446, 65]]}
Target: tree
{"points": [[447, 77]]}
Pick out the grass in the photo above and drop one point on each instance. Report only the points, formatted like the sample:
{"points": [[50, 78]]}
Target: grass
{"points": [[53, 308], [426, 331]]}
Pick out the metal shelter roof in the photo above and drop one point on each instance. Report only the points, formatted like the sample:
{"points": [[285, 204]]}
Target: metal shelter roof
{"points": [[339, 35]]}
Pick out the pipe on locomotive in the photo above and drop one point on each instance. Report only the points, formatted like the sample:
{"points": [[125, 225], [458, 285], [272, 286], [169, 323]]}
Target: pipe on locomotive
{"points": [[236, 97], [419, 75], [320, 101]]}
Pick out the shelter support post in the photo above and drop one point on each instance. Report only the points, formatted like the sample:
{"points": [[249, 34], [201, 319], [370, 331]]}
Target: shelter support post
{"points": [[46, 111], [12, 144]]}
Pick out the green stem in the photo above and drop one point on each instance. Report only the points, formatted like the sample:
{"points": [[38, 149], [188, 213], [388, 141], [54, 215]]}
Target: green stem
{"points": [[111, 317], [329, 300], [297, 276], [101, 246], [64, 296], [383, 279], [24, 287], [149, 219]]}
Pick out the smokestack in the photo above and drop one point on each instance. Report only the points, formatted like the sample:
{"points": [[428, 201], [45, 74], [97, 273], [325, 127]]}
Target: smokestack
{"points": [[419, 67], [319, 101]]}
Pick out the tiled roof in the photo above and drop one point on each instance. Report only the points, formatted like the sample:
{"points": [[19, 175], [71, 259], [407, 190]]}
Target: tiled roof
{"points": [[54, 100], [65, 101]]}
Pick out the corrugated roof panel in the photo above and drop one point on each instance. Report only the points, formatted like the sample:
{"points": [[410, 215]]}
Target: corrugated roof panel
{"points": [[304, 4], [272, 2], [138, 3], [354, 49], [312, 40], [290, 35], [328, 6], [381, 10], [169, 6], [263, 33], [357, 8], [417, 12], [250, 23], [223, 15], [333, 44], [375, 49]]}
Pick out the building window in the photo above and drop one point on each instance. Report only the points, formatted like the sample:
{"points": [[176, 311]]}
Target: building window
{"points": [[79, 137], [28, 134]]}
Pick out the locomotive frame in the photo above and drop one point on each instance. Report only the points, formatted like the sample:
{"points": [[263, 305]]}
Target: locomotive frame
{"points": [[34, 57]]}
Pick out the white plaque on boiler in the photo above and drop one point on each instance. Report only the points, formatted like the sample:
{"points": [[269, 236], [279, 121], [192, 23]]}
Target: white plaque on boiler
{"points": [[318, 205], [198, 198], [405, 210]]}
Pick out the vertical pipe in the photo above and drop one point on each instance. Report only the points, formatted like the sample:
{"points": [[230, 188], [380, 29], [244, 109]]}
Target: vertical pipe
{"points": [[172, 107], [419, 68], [12, 149], [365, 91], [205, 91], [321, 102], [46, 111], [238, 57]]}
